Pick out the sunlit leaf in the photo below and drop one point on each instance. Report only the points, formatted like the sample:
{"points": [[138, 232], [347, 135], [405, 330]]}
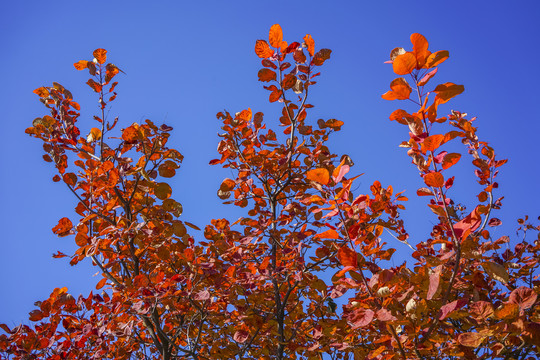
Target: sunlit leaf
{"points": [[450, 160], [70, 179], [347, 256], [507, 311], [432, 143], [310, 44], [420, 49], [95, 134], [447, 91], [471, 339], [436, 58], [434, 179], [63, 227], [263, 50], [81, 65], [100, 55], [275, 36], [320, 175], [404, 64], [400, 90], [240, 336]]}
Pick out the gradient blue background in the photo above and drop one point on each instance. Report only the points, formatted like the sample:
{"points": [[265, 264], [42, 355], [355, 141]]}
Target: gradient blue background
{"points": [[185, 61]]}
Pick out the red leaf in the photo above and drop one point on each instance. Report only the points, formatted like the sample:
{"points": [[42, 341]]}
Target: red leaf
{"points": [[470, 223], [434, 282], [448, 308], [360, 317], [266, 75]]}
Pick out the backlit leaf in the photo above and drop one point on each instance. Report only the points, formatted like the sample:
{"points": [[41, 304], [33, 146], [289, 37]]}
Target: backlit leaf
{"points": [[434, 179], [447, 91], [63, 227], [310, 44], [347, 256], [450, 160], [95, 134], [432, 143], [404, 64], [328, 234], [263, 50], [470, 223], [81, 65], [400, 90], [275, 36], [320, 175], [70, 179], [420, 49], [100, 55], [507, 311], [436, 58], [42, 92]]}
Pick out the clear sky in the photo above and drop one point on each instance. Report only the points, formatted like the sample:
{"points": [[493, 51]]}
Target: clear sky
{"points": [[186, 61]]}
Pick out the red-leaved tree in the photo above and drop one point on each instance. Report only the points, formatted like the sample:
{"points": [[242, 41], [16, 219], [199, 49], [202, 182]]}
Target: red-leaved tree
{"points": [[267, 286]]}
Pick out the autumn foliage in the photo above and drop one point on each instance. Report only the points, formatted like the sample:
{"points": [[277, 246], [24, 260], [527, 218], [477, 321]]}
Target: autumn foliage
{"points": [[305, 273]]}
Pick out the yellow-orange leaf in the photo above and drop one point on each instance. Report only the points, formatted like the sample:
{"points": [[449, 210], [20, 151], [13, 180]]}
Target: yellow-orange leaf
{"points": [[275, 36], [262, 49], [507, 311], [434, 179], [321, 176], [405, 63], [432, 143], [100, 55], [81, 65], [95, 134], [310, 44], [400, 90], [436, 58]]}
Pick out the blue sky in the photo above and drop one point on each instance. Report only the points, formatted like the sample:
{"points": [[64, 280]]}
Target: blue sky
{"points": [[186, 61]]}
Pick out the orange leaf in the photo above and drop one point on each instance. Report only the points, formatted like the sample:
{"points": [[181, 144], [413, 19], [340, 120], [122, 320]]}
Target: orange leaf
{"points": [[101, 283], [262, 49], [447, 91], [347, 256], [244, 115], [434, 179], [63, 227], [100, 55], [507, 311], [436, 58], [275, 36], [401, 90], [310, 44], [328, 234], [432, 143], [81, 65], [70, 179], [496, 271], [405, 63], [320, 175], [95, 134], [420, 49], [450, 160]]}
